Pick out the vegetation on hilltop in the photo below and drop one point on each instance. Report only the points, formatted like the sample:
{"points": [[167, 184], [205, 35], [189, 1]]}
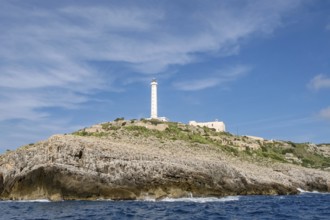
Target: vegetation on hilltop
{"points": [[303, 154]]}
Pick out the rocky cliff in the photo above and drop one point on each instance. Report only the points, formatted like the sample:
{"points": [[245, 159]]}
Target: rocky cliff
{"points": [[141, 159]]}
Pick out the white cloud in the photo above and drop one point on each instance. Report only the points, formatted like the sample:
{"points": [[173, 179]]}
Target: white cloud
{"points": [[325, 113], [198, 84], [320, 81], [118, 18], [16, 133], [327, 27], [30, 105], [221, 77]]}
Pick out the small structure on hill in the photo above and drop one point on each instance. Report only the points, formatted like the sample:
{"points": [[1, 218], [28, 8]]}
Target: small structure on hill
{"points": [[255, 137], [219, 126]]}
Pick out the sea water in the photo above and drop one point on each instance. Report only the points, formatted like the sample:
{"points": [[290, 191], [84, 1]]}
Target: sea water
{"points": [[302, 206]]}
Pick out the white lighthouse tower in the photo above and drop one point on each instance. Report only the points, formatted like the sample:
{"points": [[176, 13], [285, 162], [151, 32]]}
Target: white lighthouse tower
{"points": [[154, 99], [154, 114]]}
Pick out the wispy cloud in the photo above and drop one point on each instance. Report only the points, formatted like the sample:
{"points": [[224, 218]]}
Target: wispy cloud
{"points": [[320, 81], [23, 105], [16, 133], [276, 122], [327, 27], [197, 84], [325, 113], [209, 81]]}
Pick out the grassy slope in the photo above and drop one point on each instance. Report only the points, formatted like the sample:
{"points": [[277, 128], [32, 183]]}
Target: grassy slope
{"points": [[240, 146]]}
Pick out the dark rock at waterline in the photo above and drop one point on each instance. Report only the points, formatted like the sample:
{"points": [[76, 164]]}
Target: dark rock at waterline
{"points": [[1, 183]]}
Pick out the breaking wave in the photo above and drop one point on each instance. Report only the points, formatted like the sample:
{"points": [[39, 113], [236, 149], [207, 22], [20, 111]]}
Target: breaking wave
{"points": [[314, 191], [201, 199], [36, 200]]}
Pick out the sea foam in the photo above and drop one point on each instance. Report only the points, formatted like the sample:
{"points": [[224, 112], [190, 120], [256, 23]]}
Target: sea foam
{"points": [[314, 191], [36, 200], [201, 199]]}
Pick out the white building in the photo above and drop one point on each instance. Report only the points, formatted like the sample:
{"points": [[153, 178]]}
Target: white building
{"points": [[219, 126], [154, 109]]}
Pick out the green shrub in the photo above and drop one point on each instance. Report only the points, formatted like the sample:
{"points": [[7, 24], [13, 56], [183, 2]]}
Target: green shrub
{"points": [[99, 134], [106, 126], [288, 150], [119, 119], [81, 133], [136, 128], [231, 150], [276, 156], [325, 164], [114, 128], [307, 162], [248, 151], [155, 122]]}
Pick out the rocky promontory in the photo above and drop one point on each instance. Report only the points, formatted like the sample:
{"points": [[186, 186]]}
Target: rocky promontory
{"points": [[140, 159]]}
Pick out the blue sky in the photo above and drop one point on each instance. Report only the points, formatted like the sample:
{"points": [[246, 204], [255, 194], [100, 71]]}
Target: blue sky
{"points": [[260, 66]]}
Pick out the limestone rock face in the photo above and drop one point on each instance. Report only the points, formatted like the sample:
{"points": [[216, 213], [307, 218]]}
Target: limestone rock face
{"points": [[68, 167]]}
